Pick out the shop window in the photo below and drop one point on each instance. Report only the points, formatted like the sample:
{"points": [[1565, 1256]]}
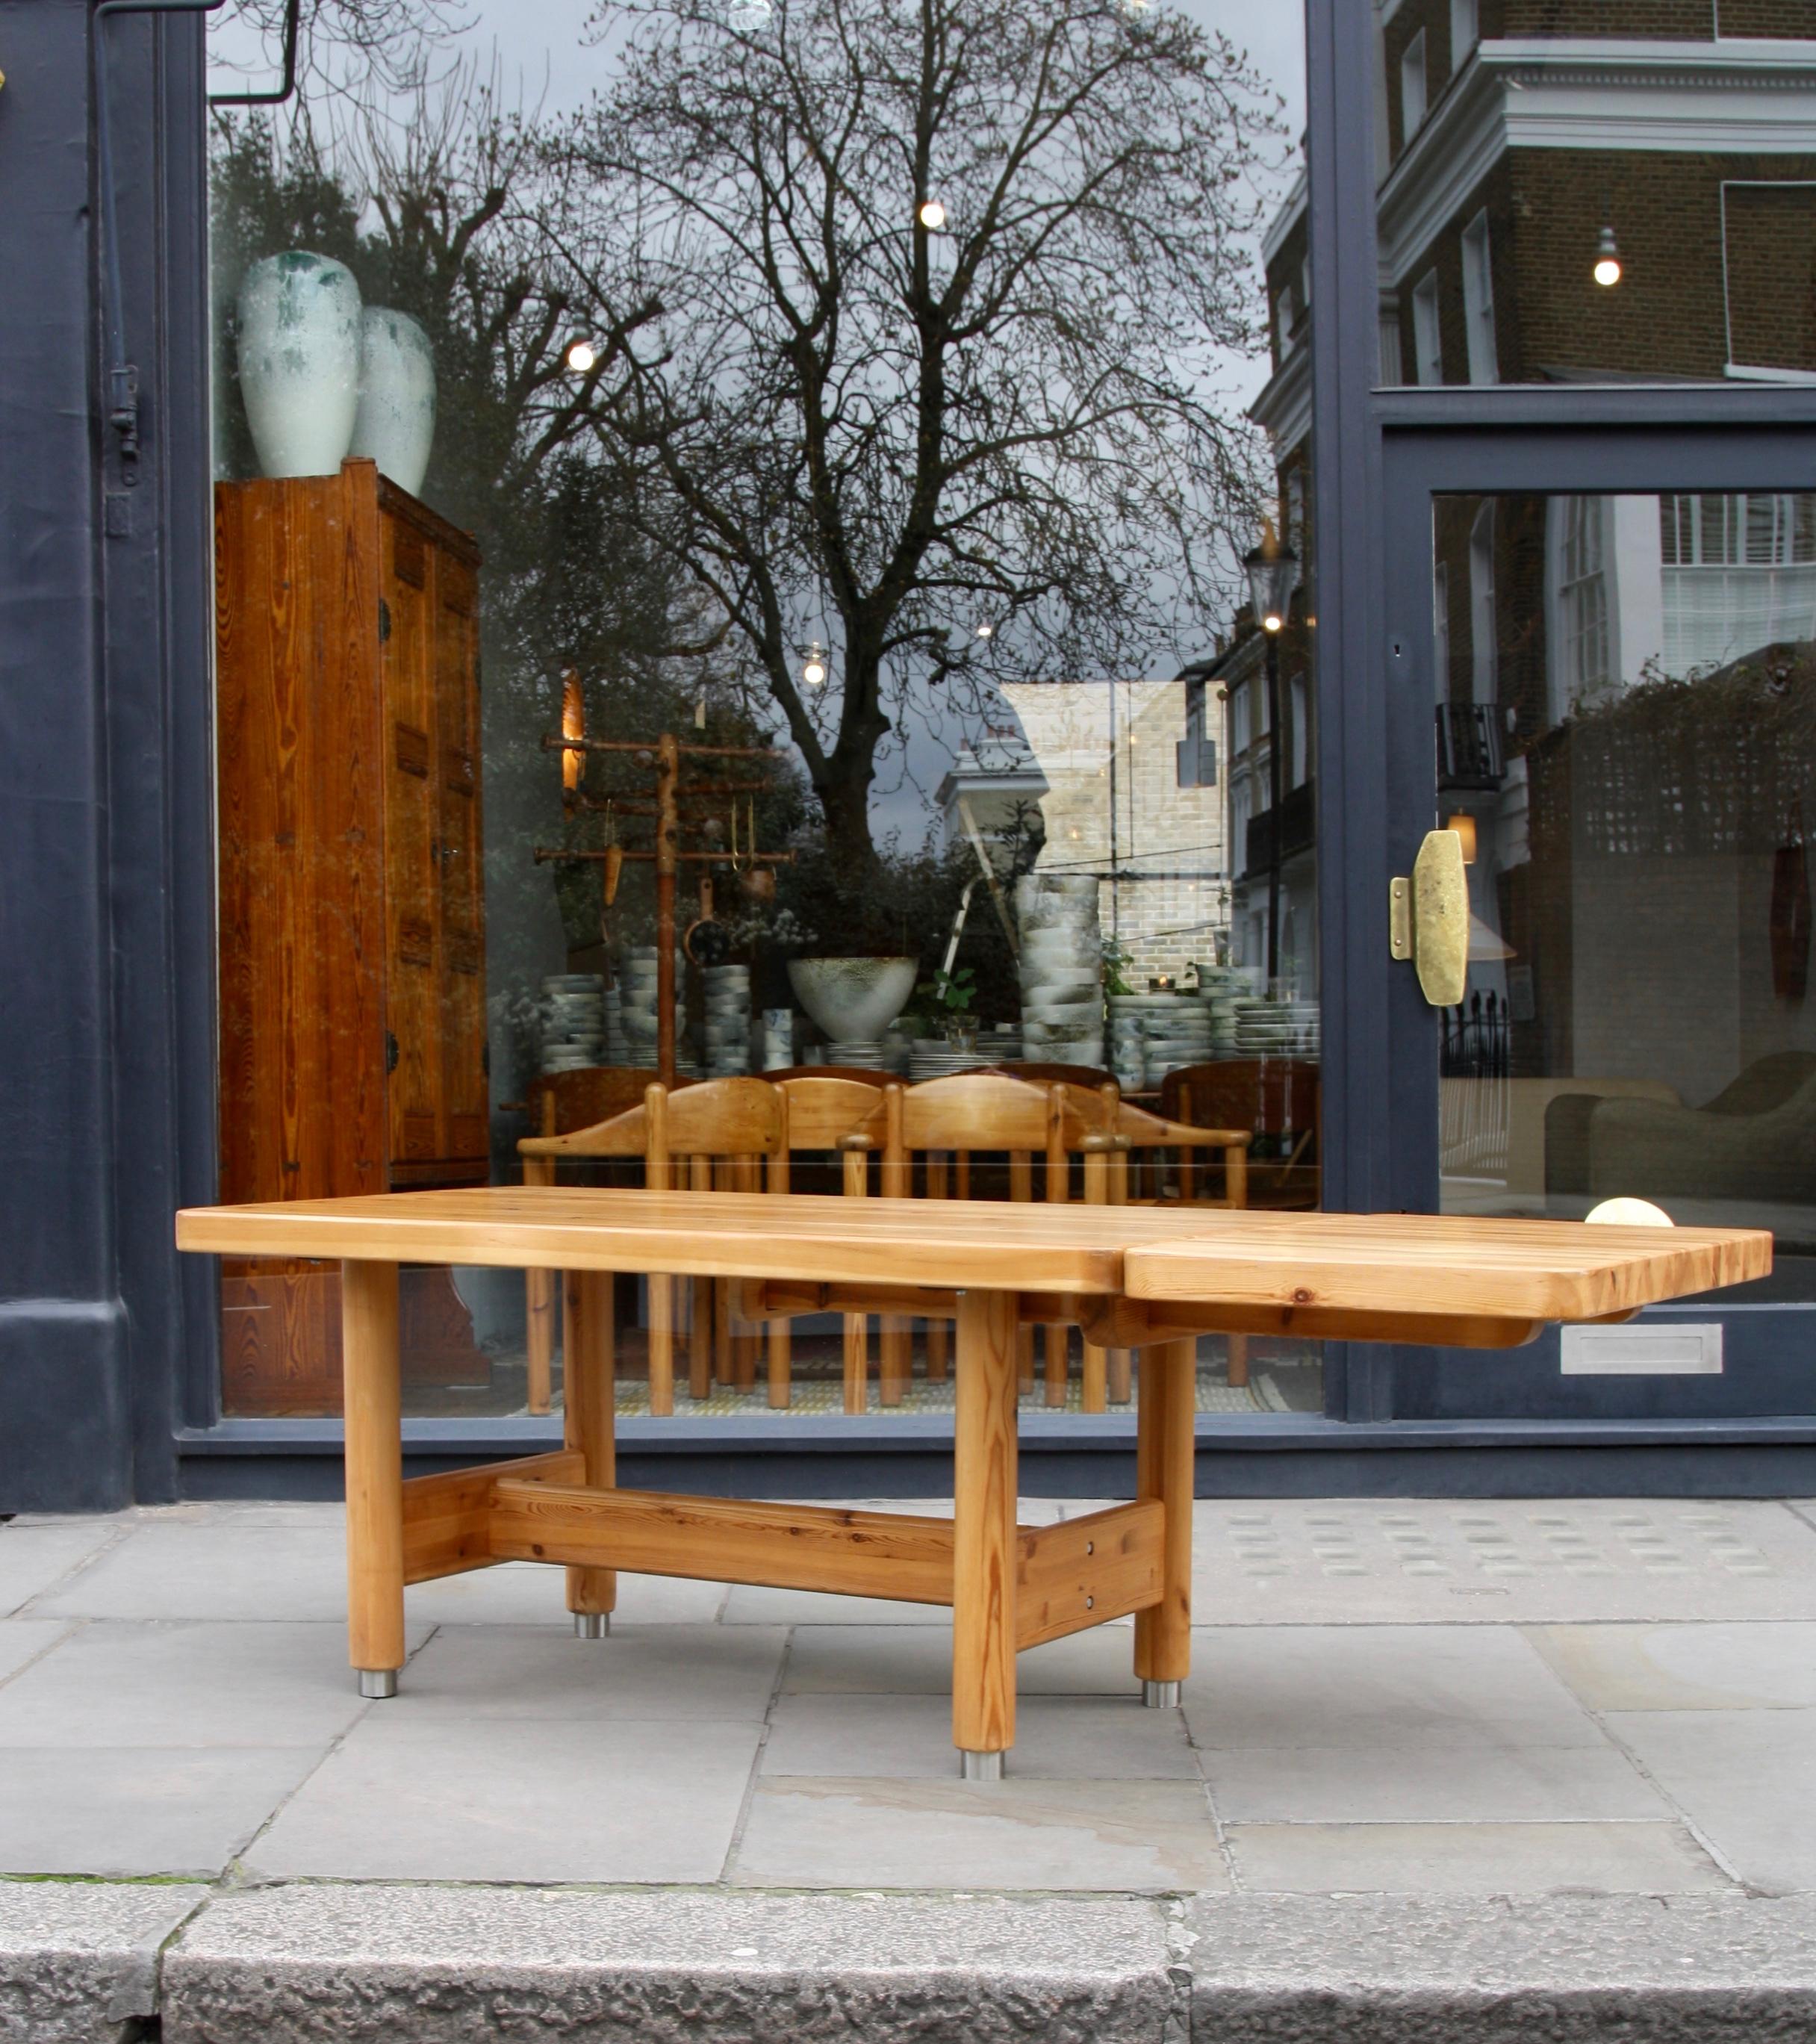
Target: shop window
{"points": [[507, 383]]}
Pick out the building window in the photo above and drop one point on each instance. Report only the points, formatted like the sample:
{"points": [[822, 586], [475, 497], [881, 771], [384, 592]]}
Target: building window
{"points": [[1285, 318], [1739, 574], [1299, 711], [1582, 601], [1412, 88], [1768, 261], [1484, 649], [1465, 32], [1196, 751], [1239, 719], [1392, 365], [1478, 303], [1296, 510], [1427, 341]]}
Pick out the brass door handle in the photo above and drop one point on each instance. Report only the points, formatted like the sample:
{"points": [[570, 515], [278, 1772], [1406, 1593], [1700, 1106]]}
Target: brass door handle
{"points": [[1428, 919]]}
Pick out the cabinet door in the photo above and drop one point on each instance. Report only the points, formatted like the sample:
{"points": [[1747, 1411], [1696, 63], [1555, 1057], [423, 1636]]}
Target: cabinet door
{"points": [[406, 631], [461, 912]]}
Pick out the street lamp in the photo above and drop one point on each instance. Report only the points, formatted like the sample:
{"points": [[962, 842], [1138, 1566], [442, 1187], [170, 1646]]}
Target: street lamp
{"points": [[813, 667], [1272, 568], [1608, 270]]}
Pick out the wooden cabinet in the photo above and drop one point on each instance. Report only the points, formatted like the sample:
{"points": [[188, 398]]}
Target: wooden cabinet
{"points": [[351, 908]]}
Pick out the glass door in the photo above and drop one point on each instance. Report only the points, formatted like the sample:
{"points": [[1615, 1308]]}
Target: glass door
{"points": [[1605, 686]]}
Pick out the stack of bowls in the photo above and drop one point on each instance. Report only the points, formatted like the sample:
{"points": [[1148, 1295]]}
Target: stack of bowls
{"points": [[1126, 1060], [1278, 1028], [572, 1021], [727, 990], [868, 1054], [778, 1039], [1061, 968]]}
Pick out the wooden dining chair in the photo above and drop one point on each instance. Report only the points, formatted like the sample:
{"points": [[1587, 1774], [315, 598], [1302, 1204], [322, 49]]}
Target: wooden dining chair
{"points": [[950, 1127], [827, 1105], [558, 1103], [728, 1135], [1278, 1099]]}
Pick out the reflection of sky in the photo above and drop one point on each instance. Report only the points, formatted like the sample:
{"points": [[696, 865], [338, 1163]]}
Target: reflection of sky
{"points": [[547, 60]]}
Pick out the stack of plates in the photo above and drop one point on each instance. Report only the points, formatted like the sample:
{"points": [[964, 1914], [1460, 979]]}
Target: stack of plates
{"points": [[870, 1057], [572, 1021], [1220, 988], [935, 1059], [1278, 1028]]}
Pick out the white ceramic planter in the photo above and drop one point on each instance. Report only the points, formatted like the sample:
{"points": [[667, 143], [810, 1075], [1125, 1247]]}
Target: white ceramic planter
{"points": [[299, 361], [395, 425], [853, 1001]]}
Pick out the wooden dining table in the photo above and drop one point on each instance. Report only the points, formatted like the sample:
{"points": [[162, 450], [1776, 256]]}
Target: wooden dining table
{"points": [[1139, 1277]]}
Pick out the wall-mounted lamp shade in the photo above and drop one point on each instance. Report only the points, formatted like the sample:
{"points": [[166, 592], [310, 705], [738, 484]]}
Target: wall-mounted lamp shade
{"points": [[1464, 826]]}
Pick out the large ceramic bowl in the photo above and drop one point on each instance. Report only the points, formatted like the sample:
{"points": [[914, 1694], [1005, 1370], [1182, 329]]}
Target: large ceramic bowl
{"points": [[853, 999]]}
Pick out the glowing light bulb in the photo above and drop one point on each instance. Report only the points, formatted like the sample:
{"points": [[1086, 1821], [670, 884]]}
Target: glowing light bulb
{"points": [[932, 215], [1274, 622], [986, 631], [1607, 260], [813, 668], [580, 355]]}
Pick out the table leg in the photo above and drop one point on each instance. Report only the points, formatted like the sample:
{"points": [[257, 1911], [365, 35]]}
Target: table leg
{"points": [[590, 1417], [374, 1458], [984, 1535], [1164, 1415]]}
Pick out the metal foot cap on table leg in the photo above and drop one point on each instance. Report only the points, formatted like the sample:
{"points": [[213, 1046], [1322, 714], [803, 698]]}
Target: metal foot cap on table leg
{"points": [[980, 1766], [377, 1684], [592, 1625], [1160, 1696]]}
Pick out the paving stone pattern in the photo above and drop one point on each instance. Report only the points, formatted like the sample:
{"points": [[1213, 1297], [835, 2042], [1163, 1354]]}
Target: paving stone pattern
{"points": [[1604, 1710]]}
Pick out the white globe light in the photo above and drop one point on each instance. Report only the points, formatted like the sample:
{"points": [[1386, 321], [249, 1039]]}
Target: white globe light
{"points": [[582, 356], [1629, 1213], [932, 215], [814, 673]]}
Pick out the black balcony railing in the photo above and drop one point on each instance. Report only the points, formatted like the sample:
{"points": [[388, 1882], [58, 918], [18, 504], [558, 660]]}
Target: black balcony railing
{"points": [[1297, 824], [1468, 746]]}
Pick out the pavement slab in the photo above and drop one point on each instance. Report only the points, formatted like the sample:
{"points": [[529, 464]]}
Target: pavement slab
{"points": [[446, 1798], [460, 1966], [37, 1555], [78, 1960], [877, 1833], [1711, 1667]]}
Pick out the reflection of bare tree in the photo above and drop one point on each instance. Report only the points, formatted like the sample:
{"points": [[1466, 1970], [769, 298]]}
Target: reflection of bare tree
{"points": [[855, 420]]}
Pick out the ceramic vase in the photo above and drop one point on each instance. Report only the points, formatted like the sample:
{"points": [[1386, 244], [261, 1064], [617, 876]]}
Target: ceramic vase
{"points": [[299, 361], [396, 423], [853, 1000]]}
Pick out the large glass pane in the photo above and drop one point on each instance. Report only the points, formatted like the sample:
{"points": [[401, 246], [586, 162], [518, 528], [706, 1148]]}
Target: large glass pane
{"points": [[1596, 191], [1626, 735], [904, 484]]}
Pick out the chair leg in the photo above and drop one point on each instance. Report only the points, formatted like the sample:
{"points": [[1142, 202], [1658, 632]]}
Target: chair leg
{"points": [[780, 1345], [1236, 1349], [538, 1330], [1121, 1388], [1024, 1359], [661, 1346], [938, 1352], [897, 1367], [700, 1341], [1057, 1342], [1095, 1379], [857, 1362], [726, 1357]]}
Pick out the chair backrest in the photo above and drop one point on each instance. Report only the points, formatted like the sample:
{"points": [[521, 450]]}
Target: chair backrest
{"points": [[741, 1119], [858, 1074], [971, 1113], [562, 1101], [825, 1107], [1272, 1096], [1093, 1076]]}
